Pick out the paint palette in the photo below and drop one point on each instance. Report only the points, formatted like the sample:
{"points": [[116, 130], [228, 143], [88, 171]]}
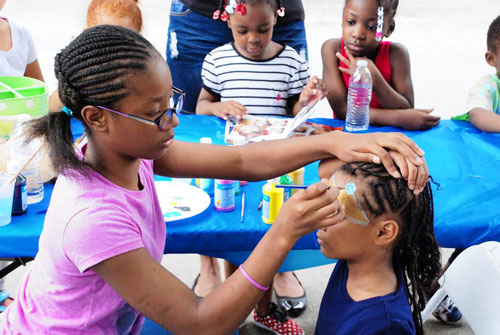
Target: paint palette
{"points": [[180, 201]]}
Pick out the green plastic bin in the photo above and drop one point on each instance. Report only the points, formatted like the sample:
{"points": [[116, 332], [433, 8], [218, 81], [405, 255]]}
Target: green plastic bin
{"points": [[21, 95]]}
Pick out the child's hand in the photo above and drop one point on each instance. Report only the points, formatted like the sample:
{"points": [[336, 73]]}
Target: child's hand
{"points": [[372, 147], [417, 119], [310, 209], [351, 62], [228, 109], [313, 88]]}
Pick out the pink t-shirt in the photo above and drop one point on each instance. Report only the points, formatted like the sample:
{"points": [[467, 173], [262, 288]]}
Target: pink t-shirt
{"points": [[89, 220]]}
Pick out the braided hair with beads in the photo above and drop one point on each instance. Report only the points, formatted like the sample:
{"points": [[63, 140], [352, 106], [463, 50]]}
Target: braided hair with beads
{"points": [[94, 69], [416, 250], [221, 12]]}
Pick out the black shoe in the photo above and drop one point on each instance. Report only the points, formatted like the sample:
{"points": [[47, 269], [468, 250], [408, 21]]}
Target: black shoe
{"points": [[292, 306]]}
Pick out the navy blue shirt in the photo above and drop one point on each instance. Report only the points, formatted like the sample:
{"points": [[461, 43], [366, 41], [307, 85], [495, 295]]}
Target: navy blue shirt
{"points": [[340, 315]]}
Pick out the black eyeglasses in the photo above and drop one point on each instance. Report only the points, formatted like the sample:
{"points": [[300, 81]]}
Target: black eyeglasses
{"points": [[165, 118]]}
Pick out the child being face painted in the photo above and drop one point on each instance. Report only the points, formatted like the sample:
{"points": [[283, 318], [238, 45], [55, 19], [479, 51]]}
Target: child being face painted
{"points": [[386, 250]]}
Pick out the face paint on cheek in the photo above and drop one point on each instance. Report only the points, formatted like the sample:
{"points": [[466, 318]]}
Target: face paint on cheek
{"points": [[353, 210]]}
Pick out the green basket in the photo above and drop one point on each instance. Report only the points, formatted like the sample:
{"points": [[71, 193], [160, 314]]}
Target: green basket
{"points": [[21, 95]]}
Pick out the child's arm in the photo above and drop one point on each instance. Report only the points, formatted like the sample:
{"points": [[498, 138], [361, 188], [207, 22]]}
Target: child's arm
{"points": [[485, 120], [337, 91], [400, 94], [155, 292], [411, 119], [209, 104], [259, 161], [33, 70], [309, 91]]}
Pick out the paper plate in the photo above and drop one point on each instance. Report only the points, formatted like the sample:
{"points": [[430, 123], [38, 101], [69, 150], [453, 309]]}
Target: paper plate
{"points": [[180, 201]]}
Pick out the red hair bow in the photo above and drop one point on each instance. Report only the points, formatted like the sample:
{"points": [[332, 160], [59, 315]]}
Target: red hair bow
{"points": [[240, 8]]}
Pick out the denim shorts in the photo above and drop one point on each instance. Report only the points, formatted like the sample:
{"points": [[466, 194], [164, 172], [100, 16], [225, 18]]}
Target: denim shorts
{"points": [[191, 36]]}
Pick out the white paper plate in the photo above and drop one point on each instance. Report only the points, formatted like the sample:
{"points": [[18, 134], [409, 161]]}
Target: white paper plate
{"points": [[179, 201]]}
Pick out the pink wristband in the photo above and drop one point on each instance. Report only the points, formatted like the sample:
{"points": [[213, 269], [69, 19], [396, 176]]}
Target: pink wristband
{"points": [[250, 279]]}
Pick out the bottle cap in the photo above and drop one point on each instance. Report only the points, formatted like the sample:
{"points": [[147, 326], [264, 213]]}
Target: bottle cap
{"points": [[206, 140], [362, 63]]}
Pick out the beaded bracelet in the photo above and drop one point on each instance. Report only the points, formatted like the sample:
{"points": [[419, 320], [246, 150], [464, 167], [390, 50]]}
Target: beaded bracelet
{"points": [[253, 282]]}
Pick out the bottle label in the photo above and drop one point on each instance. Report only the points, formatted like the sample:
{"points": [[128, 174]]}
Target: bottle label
{"points": [[24, 197], [224, 195], [266, 206]]}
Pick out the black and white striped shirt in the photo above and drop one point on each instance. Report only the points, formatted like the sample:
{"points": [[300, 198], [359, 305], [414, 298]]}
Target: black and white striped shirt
{"points": [[262, 86]]}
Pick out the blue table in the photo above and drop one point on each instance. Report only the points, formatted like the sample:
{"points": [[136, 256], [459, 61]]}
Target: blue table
{"points": [[463, 160]]}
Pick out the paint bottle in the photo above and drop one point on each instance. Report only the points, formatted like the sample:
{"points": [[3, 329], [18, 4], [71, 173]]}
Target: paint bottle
{"points": [[239, 183], [20, 201], [298, 178], [286, 180], [272, 199], [224, 195], [206, 184]]}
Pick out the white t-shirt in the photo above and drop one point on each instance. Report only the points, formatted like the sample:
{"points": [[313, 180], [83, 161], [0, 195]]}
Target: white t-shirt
{"points": [[262, 86], [22, 53]]}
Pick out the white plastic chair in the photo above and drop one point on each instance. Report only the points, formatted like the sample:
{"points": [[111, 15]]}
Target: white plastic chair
{"points": [[473, 283]]}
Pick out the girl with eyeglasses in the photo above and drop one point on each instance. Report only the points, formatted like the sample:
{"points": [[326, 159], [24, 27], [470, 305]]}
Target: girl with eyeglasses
{"points": [[98, 267]]}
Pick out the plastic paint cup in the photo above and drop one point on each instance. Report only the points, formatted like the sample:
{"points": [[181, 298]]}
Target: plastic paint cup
{"points": [[6, 198]]}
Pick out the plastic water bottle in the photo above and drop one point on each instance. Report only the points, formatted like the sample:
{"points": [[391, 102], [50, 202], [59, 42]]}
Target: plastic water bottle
{"points": [[358, 98], [20, 151]]}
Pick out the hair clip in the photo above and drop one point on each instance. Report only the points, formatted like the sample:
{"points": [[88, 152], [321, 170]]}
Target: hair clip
{"points": [[67, 111], [380, 23], [281, 11], [224, 16], [241, 9], [216, 15], [231, 7]]}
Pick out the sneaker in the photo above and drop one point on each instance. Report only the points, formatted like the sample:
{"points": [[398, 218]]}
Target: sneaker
{"points": [[277, 322], [447, 312]]}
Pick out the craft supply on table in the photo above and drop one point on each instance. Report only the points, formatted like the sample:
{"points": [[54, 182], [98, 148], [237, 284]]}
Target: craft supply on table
{"points": [[6, 198], [20, 201], [358, 98], [272, 200], [298, 178], [28, 154], [180, 201], [286, 180], [242, 207], [224, 195], [206, 184]]}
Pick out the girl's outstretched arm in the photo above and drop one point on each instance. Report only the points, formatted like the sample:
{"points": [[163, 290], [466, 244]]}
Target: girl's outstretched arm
{"points": [[158, 294], [264, 160]]}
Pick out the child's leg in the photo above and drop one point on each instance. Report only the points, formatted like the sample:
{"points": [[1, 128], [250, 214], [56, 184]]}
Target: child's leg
{"points": [[209, 277]]}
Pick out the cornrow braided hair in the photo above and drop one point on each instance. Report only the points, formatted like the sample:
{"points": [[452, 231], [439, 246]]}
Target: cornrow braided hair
{"points": [[223, 3], [416, 250], [94, 69]]}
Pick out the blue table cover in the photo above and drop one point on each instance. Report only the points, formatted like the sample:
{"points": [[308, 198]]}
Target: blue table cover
{"points": [[464, 161]]}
